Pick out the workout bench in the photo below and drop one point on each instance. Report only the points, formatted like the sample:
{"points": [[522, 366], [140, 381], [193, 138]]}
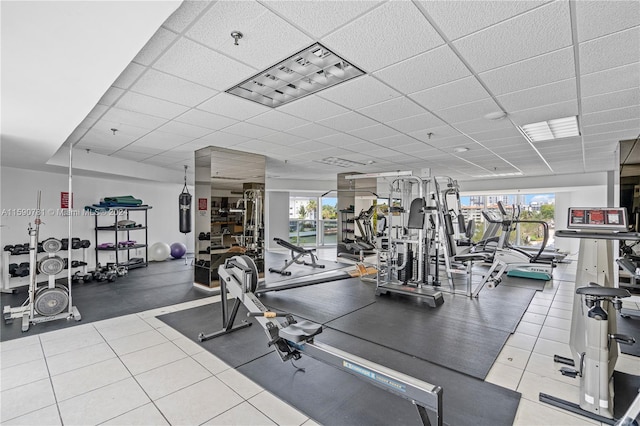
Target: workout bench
{"points": [[301, 252]]}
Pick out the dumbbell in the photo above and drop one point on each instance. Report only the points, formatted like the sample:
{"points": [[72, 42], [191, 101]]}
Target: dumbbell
{"points": [[77, 263], [12, 269], [201, 236], [8, 247], [85, 243], [22, 270]]}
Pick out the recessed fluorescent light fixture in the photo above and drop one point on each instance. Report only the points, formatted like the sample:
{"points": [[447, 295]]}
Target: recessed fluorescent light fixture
{"points": [[340, 162], [552, 129], [308, 71]]}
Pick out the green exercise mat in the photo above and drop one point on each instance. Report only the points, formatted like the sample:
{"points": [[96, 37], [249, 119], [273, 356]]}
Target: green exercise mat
{"points": [[123, 199]]}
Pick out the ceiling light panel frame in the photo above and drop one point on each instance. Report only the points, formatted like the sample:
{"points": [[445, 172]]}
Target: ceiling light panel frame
{"points": [[552, 129], [309, 71]]}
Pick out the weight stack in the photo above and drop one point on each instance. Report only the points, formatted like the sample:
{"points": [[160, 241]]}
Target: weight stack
{"points": [[406, 273]]}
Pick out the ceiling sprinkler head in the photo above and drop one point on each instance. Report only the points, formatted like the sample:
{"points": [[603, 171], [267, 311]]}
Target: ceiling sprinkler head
{"points": [[237, 35]]}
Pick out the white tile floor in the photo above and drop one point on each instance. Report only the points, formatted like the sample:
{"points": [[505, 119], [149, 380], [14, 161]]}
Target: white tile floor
{"points": [[135, 370]]}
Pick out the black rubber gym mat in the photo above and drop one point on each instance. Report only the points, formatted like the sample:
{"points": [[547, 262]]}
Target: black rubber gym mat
{"points": [[236, 348], [277, 260], [334, 397], [626, 388], [630, 326], [322, 302]]}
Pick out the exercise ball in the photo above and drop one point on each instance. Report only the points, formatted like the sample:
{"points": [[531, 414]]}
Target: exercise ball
{"points": [[159, 252], [178, 250]]}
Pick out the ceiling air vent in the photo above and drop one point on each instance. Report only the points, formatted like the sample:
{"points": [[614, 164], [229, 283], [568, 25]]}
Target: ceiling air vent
{"points": [[340, 162], [309, 71]]}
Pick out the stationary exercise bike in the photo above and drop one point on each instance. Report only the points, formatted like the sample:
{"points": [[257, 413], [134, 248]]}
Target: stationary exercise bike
{"points": [[594, 339]]}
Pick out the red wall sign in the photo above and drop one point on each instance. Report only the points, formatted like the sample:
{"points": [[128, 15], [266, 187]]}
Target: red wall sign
{"points": [[64, 200], [202, 203]]}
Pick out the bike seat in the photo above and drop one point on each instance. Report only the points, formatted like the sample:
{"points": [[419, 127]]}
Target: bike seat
{"points": [[597, 290], [300, 331]]}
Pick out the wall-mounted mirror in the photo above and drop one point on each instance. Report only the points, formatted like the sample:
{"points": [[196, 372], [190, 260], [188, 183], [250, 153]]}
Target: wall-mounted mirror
{"points": [[229, 194], [630, 180]]}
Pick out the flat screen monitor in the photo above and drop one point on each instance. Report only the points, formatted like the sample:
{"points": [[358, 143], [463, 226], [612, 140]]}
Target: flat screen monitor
{"points": [[593, 218]]}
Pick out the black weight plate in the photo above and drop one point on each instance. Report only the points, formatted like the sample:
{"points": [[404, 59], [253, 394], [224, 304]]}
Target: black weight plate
{"points": [[51, 245], [51, 301], [51, 265]]}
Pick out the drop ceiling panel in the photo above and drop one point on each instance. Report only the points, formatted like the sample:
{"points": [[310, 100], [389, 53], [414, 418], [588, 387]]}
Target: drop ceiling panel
{"points": [[160, 160], [129, 75], [424, 71], [276, 120], [633, 124], [547, 112], [598, 18], [447, 143], [610, 51], [267, 38], [320, 17], [111, 95], [155, 46], [205, 119], [610, 80], [309, 146], [459, 18], [194, 62], [173, 89], [131, 118], [436, 133], [504, 133], [447, 95], [482, 125], [104, 139], [399, 142], [249, 130], [183, 129], [282, 138], [161, 140], [348, 122], [552, 93], [312, 131], [532, 72], [613, 100], [260, 147], [394, 109], [470, 111], [130, 155], [620, 114], [145, 104], [233, 107], [340, 140], [224, 140], [610, 138], [374, 132], [96, 149], [360, 41], [313, 108], [185, 14], [508, 145], [359, 92], [416, 123], [536, 32]]}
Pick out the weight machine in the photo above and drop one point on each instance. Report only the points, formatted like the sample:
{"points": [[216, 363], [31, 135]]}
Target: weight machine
{"points": [[291, 339], [594, 339]]}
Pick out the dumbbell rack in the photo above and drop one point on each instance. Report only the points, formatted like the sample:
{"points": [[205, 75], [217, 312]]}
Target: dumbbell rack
{"points": [[9, 283]]}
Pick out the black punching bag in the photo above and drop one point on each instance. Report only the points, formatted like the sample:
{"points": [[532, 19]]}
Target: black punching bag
{"points": [[184, 202]]}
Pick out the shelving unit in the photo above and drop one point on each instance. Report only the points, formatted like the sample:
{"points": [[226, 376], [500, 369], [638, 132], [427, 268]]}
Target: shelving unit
{"points": [[117, 214], [222, 218]]}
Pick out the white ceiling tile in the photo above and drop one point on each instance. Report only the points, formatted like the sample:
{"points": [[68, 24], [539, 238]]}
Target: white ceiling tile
{"points": [[95, 149], [130, 155], [347, 122], [155, 46], [93, 115], [260, 147], [447, 143], [359, 92], [282, 138], [312, 108], [183, 129], [234, 107], [205, 119], [105, 139], [312, 131], [174, 89], [439, 132], [458, 18], [536, 32], [194, 62], [482, 125], [504, 133], [111, 95], [161, 140], [508, 145], [185, 14], [159, 160], [131, 101], [148, 151], [189, 147], [598, 18], [611, 137], [614, 100], [429, 69], [132, 118], [532, 72], [267, 39], [340, 140], [310, 146], [633, 124], [320, 17], [610, 80], [547, 112], [620, 114], [470, 111], [552, 93], [129, 75], [223, 139], [360, 43], [374, 132], [610, 51], [401, 143], [126, 131], [451, 94], [249, 130], [416, 123], [277, 120], [392, 110]]}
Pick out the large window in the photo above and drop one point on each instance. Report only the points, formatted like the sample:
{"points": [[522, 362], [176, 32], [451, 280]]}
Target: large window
{"points": [[313, 221]]}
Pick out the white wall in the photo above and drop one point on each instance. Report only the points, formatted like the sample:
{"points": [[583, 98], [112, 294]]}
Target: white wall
{"points": [[276, 208], [595, 196], [19, 191]]}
